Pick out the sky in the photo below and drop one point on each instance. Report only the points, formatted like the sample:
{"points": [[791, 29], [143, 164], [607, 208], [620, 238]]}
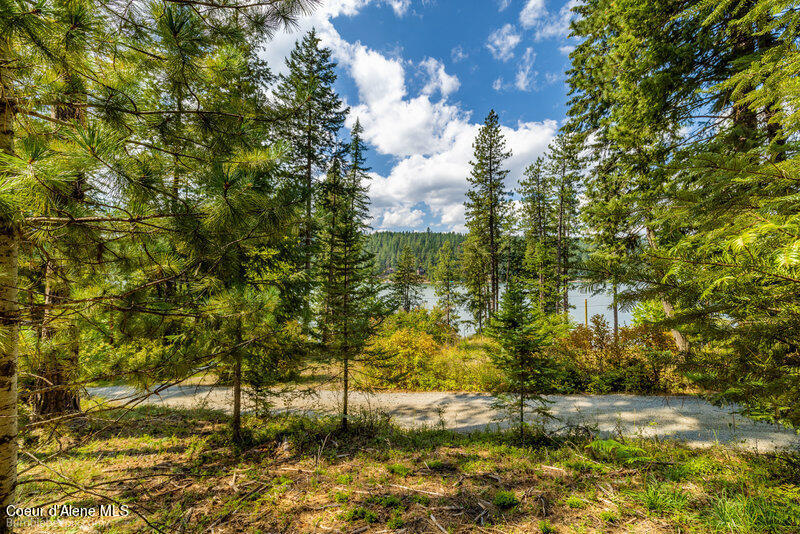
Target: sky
{"points": [[421, 75]]}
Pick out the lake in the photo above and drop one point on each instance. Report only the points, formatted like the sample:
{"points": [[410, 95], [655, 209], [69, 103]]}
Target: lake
{"points": [[598, 305]]}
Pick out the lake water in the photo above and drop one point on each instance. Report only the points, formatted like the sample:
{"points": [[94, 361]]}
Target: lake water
{"points": [[598, 305]]}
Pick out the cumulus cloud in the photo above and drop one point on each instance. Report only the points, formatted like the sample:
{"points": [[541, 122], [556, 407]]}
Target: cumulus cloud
{"points": [[501, 42], [402, 217], [438, 79], [545, 23], [428, 137]]}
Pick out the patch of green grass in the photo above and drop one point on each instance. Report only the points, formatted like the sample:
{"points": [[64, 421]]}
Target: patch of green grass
{"points": [[662, 497], [424, 500], [344, 479], [398, 469], [358, 513], [505, 500], [341, 496], [396, 521], [609, 516], [546, 527], [575, 502]]}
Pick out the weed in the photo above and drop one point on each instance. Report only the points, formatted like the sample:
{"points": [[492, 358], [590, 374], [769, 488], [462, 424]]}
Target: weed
{"points": [[546, 527]]}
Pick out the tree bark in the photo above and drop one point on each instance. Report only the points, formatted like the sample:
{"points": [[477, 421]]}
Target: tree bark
{"points": [[9, 307], [237, 386]]}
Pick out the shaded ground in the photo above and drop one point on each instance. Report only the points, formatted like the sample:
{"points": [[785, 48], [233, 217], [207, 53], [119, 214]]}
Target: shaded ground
{"points": [[178, 472], [687, 419]]}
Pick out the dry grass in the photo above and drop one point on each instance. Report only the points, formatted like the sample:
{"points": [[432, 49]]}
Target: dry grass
{"points": [[178, 470]]}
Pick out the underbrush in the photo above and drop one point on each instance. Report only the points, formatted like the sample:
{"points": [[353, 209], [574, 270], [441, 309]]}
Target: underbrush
{"points": [[424, 353], [179, 472]]}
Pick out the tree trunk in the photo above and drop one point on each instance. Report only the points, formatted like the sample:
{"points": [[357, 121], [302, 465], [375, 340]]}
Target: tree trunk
{"points": [[616, 315], [58, 362], [9, 308], [345, 391], [9, 352], [237, 387]]}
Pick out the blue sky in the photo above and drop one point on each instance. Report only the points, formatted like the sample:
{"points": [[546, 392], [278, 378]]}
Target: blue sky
{"points": [[422, 74]]}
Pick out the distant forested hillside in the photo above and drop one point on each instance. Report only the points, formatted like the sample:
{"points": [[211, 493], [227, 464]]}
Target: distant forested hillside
{"points": [[387, 246]]}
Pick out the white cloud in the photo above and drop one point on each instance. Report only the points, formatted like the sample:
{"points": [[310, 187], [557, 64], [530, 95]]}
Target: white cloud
{"points": [[501, 42], [429, 137], [400, 6], [545, 24], [458, 54], [566, 49], [497, 85], [526, 75], [533, 11], [402, 217], [503, 4], [438, 79]]}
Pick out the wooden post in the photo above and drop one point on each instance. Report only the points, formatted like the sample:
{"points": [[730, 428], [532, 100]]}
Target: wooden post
{"points": [[586, 312]]}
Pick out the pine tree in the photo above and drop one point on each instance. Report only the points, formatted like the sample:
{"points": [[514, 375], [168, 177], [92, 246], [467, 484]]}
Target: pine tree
{"points": [[474, 273], [83, 165], [406, 282], [313, 115], [538, 224], [487, 199], [446, 278], [563, 166], [350, 307], [523, 336]]}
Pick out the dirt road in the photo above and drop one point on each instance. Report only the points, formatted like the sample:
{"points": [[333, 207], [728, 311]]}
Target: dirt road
{"points": [[688, 419]]}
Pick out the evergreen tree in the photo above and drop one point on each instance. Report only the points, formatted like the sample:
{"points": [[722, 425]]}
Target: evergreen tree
{"points": [[406, 282], [350, 308], [487, 199], [523, 336], [446, 277], [313, 115], [563, 165], [539, 228], [474, 273]]}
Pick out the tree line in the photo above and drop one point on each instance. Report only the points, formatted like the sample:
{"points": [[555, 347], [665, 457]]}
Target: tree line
{"points": [[388, 246]]}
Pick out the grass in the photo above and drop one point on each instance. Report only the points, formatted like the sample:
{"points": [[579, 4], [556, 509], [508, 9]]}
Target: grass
{"points": [[179, 470]]}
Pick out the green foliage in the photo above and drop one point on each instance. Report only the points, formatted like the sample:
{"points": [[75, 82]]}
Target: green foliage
{"points": [[486, 207], [425, 246], [405, 283], [663, 497], [398, 469], [614, 451], [524, 337], [505, 500], [644, 360], [446, 277], [359, 513]]}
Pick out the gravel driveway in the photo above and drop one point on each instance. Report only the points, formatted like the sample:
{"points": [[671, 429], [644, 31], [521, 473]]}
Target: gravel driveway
{"points": [[683, 418]]}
